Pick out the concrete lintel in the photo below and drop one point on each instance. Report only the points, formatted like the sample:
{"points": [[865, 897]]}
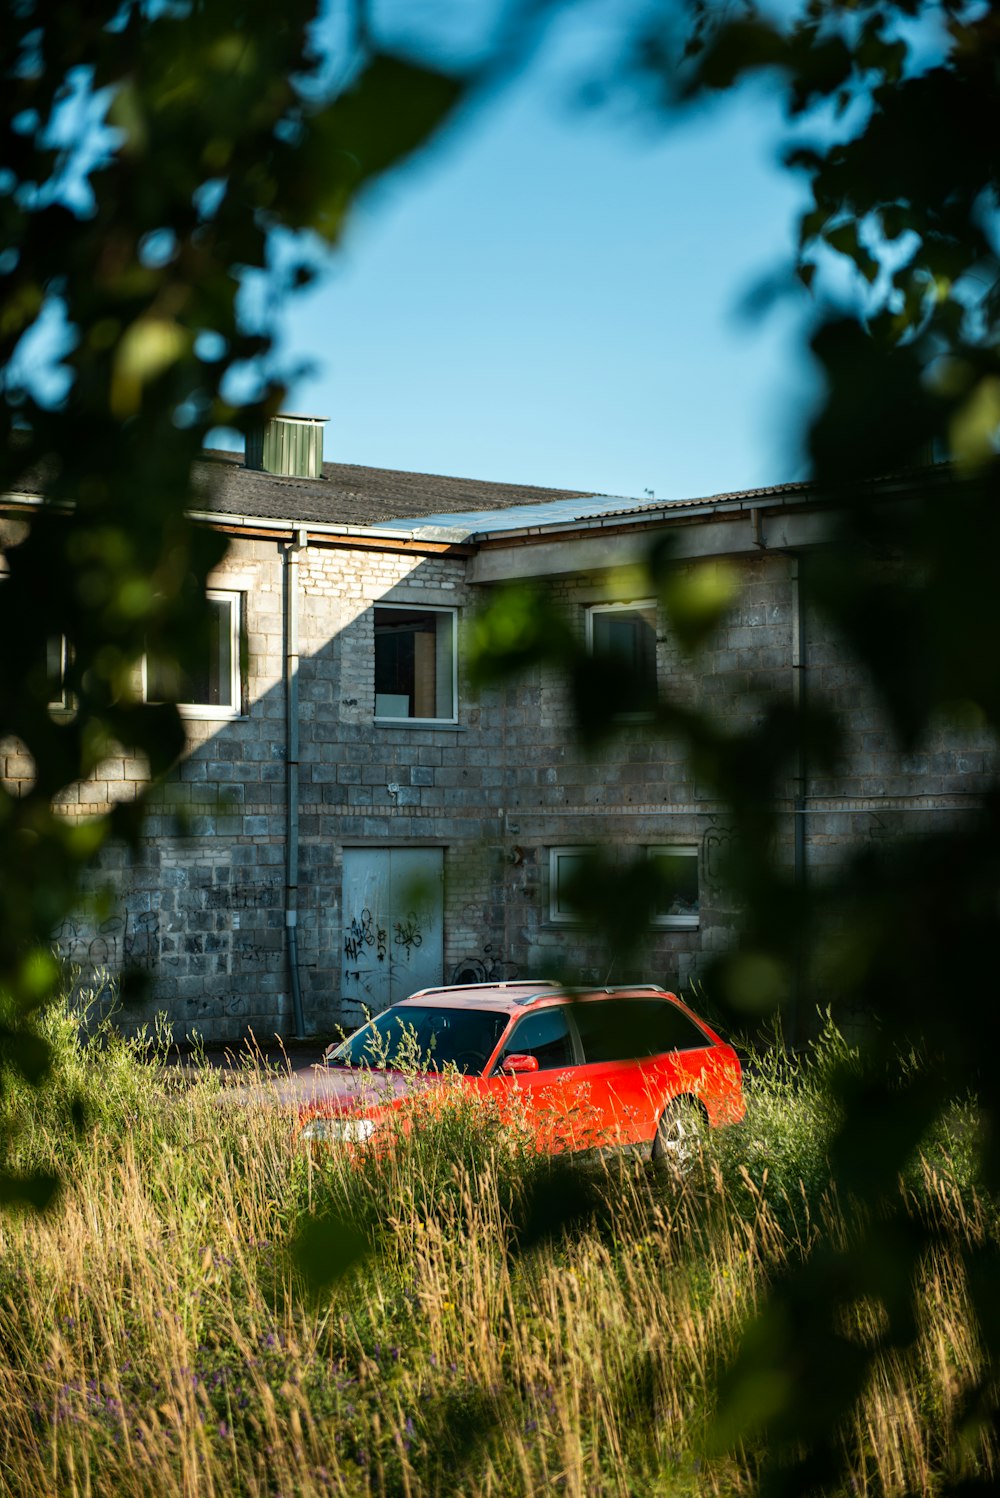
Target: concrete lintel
{"points": [[589, 553]]}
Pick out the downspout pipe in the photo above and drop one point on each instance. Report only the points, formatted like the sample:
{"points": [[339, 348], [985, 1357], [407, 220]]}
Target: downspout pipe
{"points": [[800, 863], [298, 544]]}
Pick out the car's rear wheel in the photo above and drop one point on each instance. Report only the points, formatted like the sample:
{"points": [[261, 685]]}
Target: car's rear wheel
{"points": [[680, 1136]]}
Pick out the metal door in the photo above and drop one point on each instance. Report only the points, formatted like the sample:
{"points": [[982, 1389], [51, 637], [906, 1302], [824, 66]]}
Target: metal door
{"points": [[393, 923]]}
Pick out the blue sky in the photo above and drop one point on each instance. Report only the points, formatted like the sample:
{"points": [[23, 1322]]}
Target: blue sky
{"points": [[550, 295]]}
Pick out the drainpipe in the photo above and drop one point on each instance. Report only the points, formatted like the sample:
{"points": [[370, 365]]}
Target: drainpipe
{"points": [[800, 680], [298, 543]]}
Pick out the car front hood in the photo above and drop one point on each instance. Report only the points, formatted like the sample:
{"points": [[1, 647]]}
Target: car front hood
{"points": [[327, 1089]]}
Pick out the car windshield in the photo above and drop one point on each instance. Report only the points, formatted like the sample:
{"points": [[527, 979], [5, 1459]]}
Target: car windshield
{"points": [[424, 1038]]}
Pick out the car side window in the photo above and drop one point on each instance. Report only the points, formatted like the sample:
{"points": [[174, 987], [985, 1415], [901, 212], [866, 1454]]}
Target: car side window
{"points": [[629, 1029], [669, 1028], [545, 1036]]}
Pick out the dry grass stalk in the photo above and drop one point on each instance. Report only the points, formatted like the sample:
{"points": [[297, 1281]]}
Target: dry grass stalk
{"points": [[156, 1338]]}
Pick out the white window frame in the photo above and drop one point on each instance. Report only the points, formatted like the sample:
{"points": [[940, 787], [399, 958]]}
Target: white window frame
{"points": [[60, 701], [218, 712], [688, 922], [559, 915], [421, 608], [634, 606]]}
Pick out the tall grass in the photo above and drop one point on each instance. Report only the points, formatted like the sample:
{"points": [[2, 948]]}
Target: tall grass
{"points": [[155, 1337]]}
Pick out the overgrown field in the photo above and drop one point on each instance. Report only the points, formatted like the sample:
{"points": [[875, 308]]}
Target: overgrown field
{"points": [[511, 1329]]}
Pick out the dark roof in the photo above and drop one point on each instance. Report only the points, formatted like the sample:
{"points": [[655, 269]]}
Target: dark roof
{"points": [[351, 495], [348, 494]]}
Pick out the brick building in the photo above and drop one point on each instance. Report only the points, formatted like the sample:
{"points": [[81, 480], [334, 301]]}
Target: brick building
{"points": [[357, 821]]}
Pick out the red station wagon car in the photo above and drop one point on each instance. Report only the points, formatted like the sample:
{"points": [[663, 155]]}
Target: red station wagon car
{"points": [[621, 1067]]}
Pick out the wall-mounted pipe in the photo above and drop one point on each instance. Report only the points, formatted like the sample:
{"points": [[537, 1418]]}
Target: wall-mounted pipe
{"points": [[800, 845], [297, 545]]}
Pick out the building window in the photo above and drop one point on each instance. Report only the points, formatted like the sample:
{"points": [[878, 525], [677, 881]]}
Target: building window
{"points": [[675, 871], [623, 636], [415, 664], [214, 689], [565, 867], [55, 672], [677, 876]]}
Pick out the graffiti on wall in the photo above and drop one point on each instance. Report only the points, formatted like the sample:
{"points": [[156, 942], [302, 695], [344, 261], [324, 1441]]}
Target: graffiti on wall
{"points": [[362, 935], [716, 847], [152, 939], [122, 941], [362, 977], [250, 947], [263, 895], [488, 967], [878, 828], [408, 932]]}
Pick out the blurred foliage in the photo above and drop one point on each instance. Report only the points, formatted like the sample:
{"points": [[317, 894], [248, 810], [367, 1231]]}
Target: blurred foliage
{"points": [[150, 153], [149, 156], [891, 109]]}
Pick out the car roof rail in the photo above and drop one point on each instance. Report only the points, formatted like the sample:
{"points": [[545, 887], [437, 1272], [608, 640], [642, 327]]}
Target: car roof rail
{"points": [[542, 984], [619, 988], [629, 987]]}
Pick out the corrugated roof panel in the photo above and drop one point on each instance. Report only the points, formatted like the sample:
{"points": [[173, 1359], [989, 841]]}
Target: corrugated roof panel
{"points": [[518, 517]]}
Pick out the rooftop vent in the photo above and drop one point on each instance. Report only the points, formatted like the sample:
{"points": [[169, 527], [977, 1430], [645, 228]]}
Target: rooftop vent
{"points": [[291, 446]]}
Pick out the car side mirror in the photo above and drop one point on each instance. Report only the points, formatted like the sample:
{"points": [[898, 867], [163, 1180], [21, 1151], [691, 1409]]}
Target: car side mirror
{"points": [[516, 1062]]}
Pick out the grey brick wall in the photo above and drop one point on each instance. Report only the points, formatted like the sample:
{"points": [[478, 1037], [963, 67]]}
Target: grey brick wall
{"points": [[201, 910]]}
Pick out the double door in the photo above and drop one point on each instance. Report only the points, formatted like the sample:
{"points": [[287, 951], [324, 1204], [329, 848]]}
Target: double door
{"points": [[393, 923]]}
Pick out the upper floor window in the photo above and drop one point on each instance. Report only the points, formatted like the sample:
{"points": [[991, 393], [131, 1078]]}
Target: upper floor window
{"points": [[624, 636], [415, 663], [213, 688], [677, 904], [55, 671], [676, 866], [566, 866]]}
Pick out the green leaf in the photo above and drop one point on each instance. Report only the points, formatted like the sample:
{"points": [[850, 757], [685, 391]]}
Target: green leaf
{"points": [[38, 976], [975, 427], [324, 1248], [36, 1189], [738, 48], [148, 348], [30, 1054], [517, 628], [845, 239], [391, 111], [696, 599]]}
